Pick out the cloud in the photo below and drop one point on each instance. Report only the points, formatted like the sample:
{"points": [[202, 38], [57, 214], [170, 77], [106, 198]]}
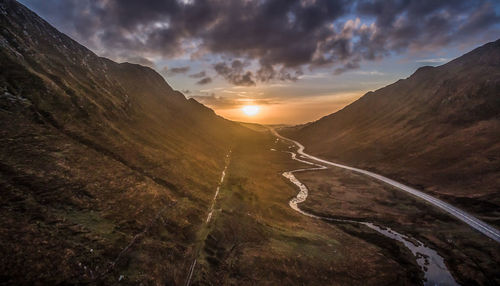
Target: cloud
{"points": [[279, 39], [174, 71], [235, 73], [347, 67], [373, 72], [433, 61], [139, 60], [222, 102], [198, 75], [205, 80], [217, 102], [315, 75], [402, 25]]}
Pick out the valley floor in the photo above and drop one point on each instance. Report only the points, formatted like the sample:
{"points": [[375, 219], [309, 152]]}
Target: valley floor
{"points": [[256, 238], [86, 224]]}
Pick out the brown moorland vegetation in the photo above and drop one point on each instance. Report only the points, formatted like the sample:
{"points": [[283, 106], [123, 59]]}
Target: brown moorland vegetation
{"points": [[437, 130]]}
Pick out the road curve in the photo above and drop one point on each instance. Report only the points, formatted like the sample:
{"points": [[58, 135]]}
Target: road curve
{"points": [[431, 263], [475, 223]]}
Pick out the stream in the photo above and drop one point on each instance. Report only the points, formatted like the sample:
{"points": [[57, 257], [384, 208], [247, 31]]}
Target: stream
{"points": [[431, 263]]}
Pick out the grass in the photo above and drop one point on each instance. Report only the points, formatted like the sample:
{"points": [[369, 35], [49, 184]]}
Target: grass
{"points": [[255, 237], [104, 169], [470, 256]]}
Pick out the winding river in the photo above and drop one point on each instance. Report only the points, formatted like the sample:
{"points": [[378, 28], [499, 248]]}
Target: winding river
{"points": [[431, 263]]}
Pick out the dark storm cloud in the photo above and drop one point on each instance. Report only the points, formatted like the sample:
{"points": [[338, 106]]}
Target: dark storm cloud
{"points": [[205, 80], [279, 37], [268, 73], [426, 24], [235, 72]]}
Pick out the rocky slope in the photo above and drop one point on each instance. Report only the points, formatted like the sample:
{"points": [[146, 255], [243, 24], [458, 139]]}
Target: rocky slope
{"points": [[437, 130], [105, 170]]}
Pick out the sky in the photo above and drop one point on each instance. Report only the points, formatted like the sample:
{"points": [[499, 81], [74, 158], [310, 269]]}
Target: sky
{"points": [[297, 60]]}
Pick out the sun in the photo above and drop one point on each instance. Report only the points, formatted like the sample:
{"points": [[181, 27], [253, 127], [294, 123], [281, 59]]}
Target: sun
{"points": [[250, 110]]}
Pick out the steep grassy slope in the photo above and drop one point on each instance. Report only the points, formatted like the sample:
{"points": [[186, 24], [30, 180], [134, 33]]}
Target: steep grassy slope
{"points": [[471, 257], [437, 130], [105, 170]]}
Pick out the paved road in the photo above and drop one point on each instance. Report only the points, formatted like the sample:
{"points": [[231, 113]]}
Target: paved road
{"points": [[475, 223], [432, 264]]}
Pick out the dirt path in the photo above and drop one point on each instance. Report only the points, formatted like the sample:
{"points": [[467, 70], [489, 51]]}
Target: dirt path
{"points": [[209, 217]]}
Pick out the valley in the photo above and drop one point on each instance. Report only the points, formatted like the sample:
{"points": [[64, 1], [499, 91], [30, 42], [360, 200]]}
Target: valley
{"points": [[435, 131], [340, 195], [254, 226], [255, 238], [110, 176]]}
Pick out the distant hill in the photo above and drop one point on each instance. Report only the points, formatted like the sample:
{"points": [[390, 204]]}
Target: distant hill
{"points": [[92, 153], [438, 130]]}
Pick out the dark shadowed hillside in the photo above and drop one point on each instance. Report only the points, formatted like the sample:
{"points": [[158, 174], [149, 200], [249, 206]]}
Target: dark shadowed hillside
{"points": [[438, 130], [104, 168]]}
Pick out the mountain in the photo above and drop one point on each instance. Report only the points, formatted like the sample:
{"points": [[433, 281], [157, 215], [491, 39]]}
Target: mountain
{"points": [[94, 155], [438, 130]]}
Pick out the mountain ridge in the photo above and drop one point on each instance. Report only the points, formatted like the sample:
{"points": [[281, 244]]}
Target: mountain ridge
{"points": [[94, 155], [434, 130]]}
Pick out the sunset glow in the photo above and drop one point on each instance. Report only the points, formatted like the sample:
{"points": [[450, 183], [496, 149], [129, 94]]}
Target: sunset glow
{"points": [[250, 110], [352, 48]]}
